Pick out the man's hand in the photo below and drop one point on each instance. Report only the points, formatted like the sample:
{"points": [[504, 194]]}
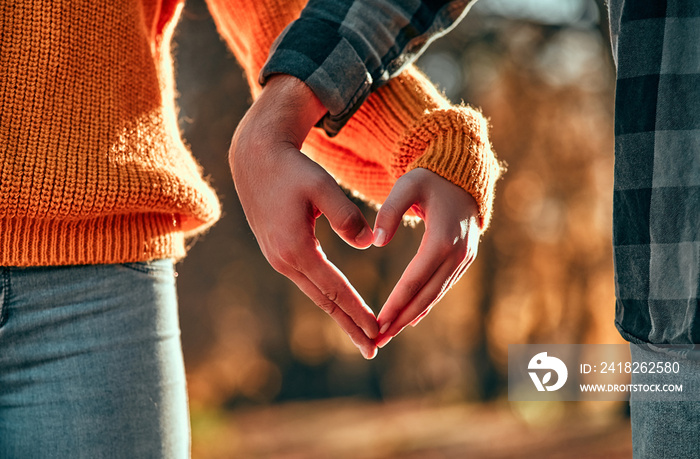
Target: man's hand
{"points": [[283, 192], [448, 247]]}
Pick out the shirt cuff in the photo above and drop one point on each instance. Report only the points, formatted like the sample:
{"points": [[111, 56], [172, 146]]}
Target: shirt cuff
{"points": [[318, 55]]}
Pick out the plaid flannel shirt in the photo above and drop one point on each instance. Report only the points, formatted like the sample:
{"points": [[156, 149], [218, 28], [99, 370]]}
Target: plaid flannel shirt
{"points": [[345, 49], [656, 214]]}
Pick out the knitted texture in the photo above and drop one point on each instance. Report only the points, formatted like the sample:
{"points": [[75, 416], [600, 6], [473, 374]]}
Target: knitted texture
{"points": [[403, 125], [408, 124], [92, 167]]}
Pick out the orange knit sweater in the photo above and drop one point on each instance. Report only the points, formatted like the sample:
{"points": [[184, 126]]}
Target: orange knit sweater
{"points": [[92, 167]]}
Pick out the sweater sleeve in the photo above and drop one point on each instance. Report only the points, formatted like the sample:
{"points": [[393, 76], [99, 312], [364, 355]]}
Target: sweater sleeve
{"points": [[403, 125]]}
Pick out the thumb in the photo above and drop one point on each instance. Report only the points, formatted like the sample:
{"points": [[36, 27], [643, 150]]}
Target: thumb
{"points": [[345, 218], [403, 195]]}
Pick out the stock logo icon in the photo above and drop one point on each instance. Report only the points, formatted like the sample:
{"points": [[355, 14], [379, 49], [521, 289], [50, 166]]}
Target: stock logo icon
{"points": [[542, 361]]}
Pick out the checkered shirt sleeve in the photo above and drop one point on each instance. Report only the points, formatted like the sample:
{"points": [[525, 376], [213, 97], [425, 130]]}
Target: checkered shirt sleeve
{"points": [[656, 215], [345, 49]]}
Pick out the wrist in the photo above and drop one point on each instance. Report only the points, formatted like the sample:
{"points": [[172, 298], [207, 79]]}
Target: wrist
{"points": [[291, 107], [279, 120], [454, 144]]}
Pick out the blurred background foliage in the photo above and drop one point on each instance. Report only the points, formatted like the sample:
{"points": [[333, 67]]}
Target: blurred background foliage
{"points": [[263, 362]]}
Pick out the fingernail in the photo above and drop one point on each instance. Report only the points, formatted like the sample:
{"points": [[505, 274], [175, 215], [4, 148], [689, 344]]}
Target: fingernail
{"points": [[361, 235], [384, 341], [369, 354], [379, 237], [371, 334], [384, 328]]}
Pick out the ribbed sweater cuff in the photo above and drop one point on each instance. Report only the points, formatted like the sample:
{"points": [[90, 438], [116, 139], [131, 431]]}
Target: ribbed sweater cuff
{"points": [[111, 239], [454, 144]]}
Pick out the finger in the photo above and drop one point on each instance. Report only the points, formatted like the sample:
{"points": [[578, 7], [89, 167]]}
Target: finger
{"points": [[345, 218], [420, 317], [403, 195], [453, 280], [338, 291], [300, 253], [366, 345], [429, 258], [420, 304], [442, 241]]}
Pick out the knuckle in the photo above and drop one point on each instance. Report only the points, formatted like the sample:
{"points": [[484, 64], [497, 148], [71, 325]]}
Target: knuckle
{"points": [[349, 219], [290, 259], [278, 265], [291, 253], [287, 255], [331, 295], [413, 287], [321, 183], [411, 178], [327, 306], [389, 211]]}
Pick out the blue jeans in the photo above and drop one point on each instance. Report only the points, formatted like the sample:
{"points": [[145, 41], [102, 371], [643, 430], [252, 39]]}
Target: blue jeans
{"points": [[665, 429], [91, 363]]}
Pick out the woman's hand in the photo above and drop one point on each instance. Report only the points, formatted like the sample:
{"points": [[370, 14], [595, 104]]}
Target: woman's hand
{"points": [[447, 249]]}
